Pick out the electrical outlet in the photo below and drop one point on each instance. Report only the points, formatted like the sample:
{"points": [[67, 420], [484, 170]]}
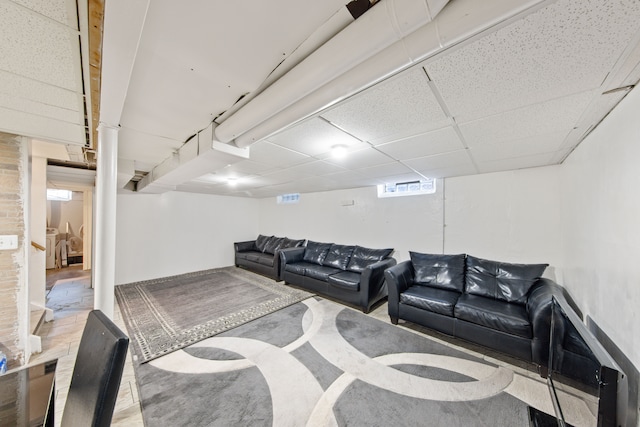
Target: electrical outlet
{"points": [[8, 242]]}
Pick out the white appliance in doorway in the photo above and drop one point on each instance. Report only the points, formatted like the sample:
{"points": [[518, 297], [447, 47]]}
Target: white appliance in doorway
{"points": [[51, 247]]}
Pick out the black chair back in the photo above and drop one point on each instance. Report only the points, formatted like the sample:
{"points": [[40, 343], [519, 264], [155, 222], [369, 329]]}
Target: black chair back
{"points": [[96, 374]]}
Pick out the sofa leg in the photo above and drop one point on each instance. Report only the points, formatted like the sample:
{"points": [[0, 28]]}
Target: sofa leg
{"points": [[365, 310], [394, 320], [543, 371]]}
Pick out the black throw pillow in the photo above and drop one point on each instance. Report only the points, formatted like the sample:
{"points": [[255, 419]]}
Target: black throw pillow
{"points": [[439, 270], [500, 280], [364, 257], [261, 242], [315, 252]]}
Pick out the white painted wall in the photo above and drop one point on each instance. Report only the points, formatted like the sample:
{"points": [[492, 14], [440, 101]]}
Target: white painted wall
{"points": [[161, 235], [38, 207], [403, 223], [600, 207], [511, 216], [506, 216]]}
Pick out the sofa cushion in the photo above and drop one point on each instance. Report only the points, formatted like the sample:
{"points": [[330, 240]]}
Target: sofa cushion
{"points": [[338, 256], [345, 280], [364, 257], [436, 300], [290, 243], [439, 271], [299, 267], [315, 252], [501, 280], [261, 241], [253, 256], [273, 244], [494, 314], [265, 259], [321, 272]]}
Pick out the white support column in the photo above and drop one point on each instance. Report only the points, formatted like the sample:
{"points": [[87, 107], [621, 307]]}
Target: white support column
{"points": [[104, 257]]}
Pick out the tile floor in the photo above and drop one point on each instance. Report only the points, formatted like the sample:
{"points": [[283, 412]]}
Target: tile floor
{"points": [[71, 300]]}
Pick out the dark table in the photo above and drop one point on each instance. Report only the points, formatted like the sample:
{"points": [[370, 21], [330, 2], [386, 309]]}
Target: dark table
{"points": [[27, 395]]}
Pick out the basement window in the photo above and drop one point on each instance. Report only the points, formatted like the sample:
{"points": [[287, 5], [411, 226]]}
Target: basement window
{"points": [[59, 195], [410, 188], [287, 199]]}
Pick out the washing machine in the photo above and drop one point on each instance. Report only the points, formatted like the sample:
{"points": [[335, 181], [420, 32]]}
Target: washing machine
{"points": [[52, 233]]}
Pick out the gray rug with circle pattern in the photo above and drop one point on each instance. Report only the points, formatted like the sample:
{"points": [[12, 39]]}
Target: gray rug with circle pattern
{"points": [[319, 363]]}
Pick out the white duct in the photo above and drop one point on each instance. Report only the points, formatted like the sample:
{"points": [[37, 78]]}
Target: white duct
{"points": [[200, 155], [459, 21], [384, 24]]}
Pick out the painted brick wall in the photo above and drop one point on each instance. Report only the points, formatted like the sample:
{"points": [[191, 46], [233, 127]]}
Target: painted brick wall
{"points": [[13, 317]]}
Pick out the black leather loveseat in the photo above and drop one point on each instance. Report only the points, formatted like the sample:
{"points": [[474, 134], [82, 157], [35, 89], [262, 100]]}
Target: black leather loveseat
{"points": [[499, 305], [263, 254], [352, 274]]}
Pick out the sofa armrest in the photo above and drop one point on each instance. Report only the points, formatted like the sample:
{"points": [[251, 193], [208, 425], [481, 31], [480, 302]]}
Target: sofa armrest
{"points": [[288, 256], [372, 283], [399, 278], [249, 245], [539, 309]]}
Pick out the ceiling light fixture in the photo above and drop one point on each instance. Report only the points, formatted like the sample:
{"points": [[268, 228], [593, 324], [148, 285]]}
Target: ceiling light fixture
{"points": [[232, 181], [339, 151]]}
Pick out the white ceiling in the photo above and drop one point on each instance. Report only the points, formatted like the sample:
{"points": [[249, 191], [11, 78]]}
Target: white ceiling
{"points": [[515, 90], [41, 81]]}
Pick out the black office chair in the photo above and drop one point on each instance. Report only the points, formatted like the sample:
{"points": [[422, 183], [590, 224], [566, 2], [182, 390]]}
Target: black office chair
{"points": [[96, 374]]}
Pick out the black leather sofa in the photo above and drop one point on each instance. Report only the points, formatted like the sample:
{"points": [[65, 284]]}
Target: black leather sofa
{"points": [[263, 254], [506, 307], [351, 274]]}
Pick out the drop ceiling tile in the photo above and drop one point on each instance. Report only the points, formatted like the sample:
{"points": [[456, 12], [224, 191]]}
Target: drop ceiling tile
{"points": [[386, 170], [425, 144], [248, 167], [361, 159], [63, 11], [426, 165], [283, 177], [22, 87], [39, 109], [516, 163], [566, 47], [273, 155], [349, 177], [21, 123], [38, 48], [398, 107], [539, 144], [317, 168], [315, 137], [558, 115], [451, 171]]}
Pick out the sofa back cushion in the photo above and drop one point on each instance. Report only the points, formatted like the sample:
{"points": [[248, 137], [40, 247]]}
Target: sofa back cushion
{"points": [[290, 243], [500, 280], [338, 256], [438, 270], [364, 257], [273, 244], [261, 242], [315, 252]]}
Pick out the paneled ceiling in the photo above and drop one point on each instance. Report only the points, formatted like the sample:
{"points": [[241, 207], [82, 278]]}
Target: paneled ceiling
{"points": [[488, 86], [41, 79]]}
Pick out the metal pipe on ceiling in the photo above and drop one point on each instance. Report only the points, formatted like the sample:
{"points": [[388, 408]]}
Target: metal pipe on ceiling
{"points": [[384, 24], [459, 21]]}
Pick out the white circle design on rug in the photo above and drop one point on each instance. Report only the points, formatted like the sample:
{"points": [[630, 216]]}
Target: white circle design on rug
{"points": [[290, 380]]}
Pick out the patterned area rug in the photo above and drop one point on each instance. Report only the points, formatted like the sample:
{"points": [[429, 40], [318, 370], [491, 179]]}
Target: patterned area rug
{"points": [[167, 314], [318, 363]]}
